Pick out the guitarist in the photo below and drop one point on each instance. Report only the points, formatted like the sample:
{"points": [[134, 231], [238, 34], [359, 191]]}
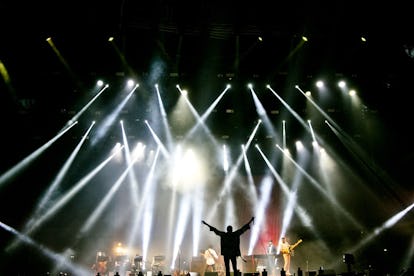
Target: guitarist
{"points": [[230, 244], [287, 251]]}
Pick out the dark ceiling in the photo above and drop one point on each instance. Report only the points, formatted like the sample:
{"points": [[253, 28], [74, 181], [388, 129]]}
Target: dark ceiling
{"points": [[201, 44]]}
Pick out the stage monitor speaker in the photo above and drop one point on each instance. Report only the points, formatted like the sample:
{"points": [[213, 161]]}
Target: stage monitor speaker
{"points": [[327, 272], [310, 273], [208, 273]]}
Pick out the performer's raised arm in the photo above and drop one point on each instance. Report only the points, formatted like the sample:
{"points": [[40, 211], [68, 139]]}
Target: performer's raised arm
{"points": [[211, 227]]}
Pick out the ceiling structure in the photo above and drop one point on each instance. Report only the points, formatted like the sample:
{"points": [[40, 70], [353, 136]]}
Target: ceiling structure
{"points": [[203, 46]]}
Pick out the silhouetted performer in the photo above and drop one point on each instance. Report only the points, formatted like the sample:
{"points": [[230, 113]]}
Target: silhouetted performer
{"points": [[230, 244]]}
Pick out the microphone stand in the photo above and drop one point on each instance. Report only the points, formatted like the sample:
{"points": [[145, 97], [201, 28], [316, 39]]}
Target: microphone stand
{"points": [[179, 262]]}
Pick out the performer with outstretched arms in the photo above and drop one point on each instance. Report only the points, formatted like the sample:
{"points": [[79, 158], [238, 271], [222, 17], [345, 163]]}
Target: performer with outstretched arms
{"points": [[230, 244]]}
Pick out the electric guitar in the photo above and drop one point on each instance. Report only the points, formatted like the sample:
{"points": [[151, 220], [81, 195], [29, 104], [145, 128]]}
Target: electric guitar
{"points": [[289, 250]]}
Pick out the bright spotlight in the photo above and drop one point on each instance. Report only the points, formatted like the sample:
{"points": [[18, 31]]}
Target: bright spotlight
{"points": [[341, 84], [119, 249], [225, 159], [99, 83], [130, 83], [319, 84], [228, 86], [250, 85], [117, 146], [299, 145], [138, 152], [111, 38], [117, 151], [189, 171]]}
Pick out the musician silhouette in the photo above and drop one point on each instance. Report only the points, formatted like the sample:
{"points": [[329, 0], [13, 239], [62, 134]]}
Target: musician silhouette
{"points": [[230, 244], [271, 252]]}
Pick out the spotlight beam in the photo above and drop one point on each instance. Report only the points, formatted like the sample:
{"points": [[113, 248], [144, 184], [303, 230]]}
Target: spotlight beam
{"points": [[145, 211], [283, 185], [69, 195], [132, 177], [29, 159], [164, 120], [77, 115], [355, 149], [200, 121], [75, 78], [366, 162], [232, 174], [324, 114], [266, 188], [321, 190], [108, 122], [289, 108], [58, 179], [252, 188], [158, 141], [105, 201], [57, 258], [385, 226], [261, 111]]}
